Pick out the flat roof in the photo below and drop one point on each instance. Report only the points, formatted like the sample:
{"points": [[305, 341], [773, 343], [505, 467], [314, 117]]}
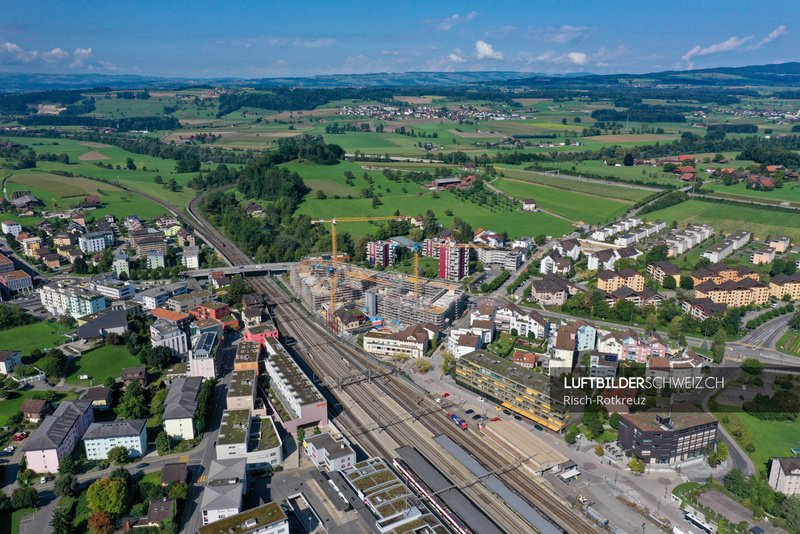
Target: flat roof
{"points": [[290, 372], [265, 515], [507, 369], [242, 382], [682, 416], [336, 448], [235, 427], [205, 345], [248, 351]]}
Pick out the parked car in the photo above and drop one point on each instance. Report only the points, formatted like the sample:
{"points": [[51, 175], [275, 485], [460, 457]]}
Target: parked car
{"points": [[518, 418], [538, 427], [469, 412], [495, 418], [481, 399], [506, 412], [141, 465], [445, 394], [476, 416]]}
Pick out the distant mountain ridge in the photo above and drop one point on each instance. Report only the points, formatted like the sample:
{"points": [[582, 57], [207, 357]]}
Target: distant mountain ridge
{"points": [[785, 74]]}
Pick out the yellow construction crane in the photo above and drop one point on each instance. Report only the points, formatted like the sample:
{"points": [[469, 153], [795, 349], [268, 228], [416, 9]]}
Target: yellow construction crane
{"points": [[334, 222]]}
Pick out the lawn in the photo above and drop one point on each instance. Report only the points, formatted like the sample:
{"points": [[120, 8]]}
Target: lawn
{"points": [[108, 360], [574, 206], [729, 218], [11, 405], [42, 336], [771, 438]]}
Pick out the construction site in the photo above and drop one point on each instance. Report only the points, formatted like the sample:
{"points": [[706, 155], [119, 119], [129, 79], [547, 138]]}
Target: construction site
{"points": [[386, 296]]}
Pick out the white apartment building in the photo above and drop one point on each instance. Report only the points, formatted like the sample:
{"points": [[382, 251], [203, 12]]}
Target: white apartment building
{"points": [[95, 242], [158, 296], [191, 257], [102, 437], [60, 299], [164, 333], [332, 454], [11, 227], [114, 289], [510, 260], [121, 264], [180, 407]]}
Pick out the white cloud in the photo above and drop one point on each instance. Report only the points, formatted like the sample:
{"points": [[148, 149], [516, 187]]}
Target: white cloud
{"points": [[774, 34], [484, 50], [251, 42], [457, 57], [17, 53], [577, 58], [107, 65], [79, 57], [319, 43], [725, 46], [444, 25], [55, 55], [566, 34]]}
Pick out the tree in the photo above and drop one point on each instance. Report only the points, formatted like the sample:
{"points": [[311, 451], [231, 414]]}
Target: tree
{"points": [[133, 404], [178, 490], [67, 466], [158, 357], [61, 521], [656, 253], [237, 290], [686, 282], [67, 321], [722, 451], [628, 160], [163, 443], [108, 495], [736, 483], [110, 382], [24, 498], [613, 420], [114, 339], [669, 282], [67, 486], [636, 465], [118, 455], [752, 366], [794, 322], [718, 345], [79, 266], [130, 164], [101, 523], [572, 434], [5, 500]]}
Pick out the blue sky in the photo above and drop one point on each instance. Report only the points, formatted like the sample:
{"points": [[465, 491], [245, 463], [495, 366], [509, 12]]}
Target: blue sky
{"points": [[274, 38]]}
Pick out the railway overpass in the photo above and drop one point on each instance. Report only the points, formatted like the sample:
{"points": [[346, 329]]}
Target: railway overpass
{"points": [[260, 269]]}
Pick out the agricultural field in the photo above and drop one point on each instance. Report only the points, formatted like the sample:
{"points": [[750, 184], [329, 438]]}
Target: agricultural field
{"points": [[729, 218], [789, 343], [790, 192], [108, 360], [622, 193], [574, 206]]}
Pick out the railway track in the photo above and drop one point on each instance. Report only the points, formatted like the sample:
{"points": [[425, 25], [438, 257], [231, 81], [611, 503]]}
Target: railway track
{"points": [[333, 357], [315, 336]]}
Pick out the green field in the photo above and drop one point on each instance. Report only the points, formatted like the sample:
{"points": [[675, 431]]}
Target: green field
{"points": [[573, 206], [108, 360], [729, 218], [515, 223], [13, 403], [771, 438], [41, 336], [790, 192]]}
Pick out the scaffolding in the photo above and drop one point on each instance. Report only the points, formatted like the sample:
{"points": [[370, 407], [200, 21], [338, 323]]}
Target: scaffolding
{"points": [[439, 301]]}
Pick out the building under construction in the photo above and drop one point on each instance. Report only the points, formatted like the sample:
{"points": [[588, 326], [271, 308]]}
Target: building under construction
{"points": [[390, 295]]}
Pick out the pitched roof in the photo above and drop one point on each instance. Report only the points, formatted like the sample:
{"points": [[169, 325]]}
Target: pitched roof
{"points": [[181, 401], [33, 406], [115, 429], [224, 497], [55, 428], [174, 473]]}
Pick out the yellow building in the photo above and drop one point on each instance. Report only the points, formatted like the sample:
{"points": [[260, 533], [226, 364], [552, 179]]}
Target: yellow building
{"points": [[610, 281], [734, 294], [780, 285], [515, 388]]}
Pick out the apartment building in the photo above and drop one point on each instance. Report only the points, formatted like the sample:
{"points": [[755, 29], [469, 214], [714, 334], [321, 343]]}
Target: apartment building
{"points": [[57, 435], [330, 453], [453, 264], [185, 302], [659, 270], [167, 334], [515, 388], [113, 289], [242, 390], [102, 437], [733, 293], [381, 253], [11, 227], [611, 281], [780, 285], [781, 243], [303, 403], [121, 264], [784, 475], [255, 438], [61, 299], [720, 272], [763, 256], [409, 343], [95, 242], [150, 243], [248, 356], [191, 257], [204, 358], [158, 296], [180, 407], [508, 259], [719, 251]]}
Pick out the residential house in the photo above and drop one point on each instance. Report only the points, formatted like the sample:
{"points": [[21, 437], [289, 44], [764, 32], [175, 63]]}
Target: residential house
{"points": [[781, 243], [641, 348], [528, 204], [331, 453], [703, 308], [222, 496], [139, 374], [463, 344], [191, 257], [762, 256], [176, 472], [100, 397], [784, 475], [552, 290], [569, 248], [564, 353], [526, 359], [34, 410], [603, 365], [409, 343], [555, 263]]}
